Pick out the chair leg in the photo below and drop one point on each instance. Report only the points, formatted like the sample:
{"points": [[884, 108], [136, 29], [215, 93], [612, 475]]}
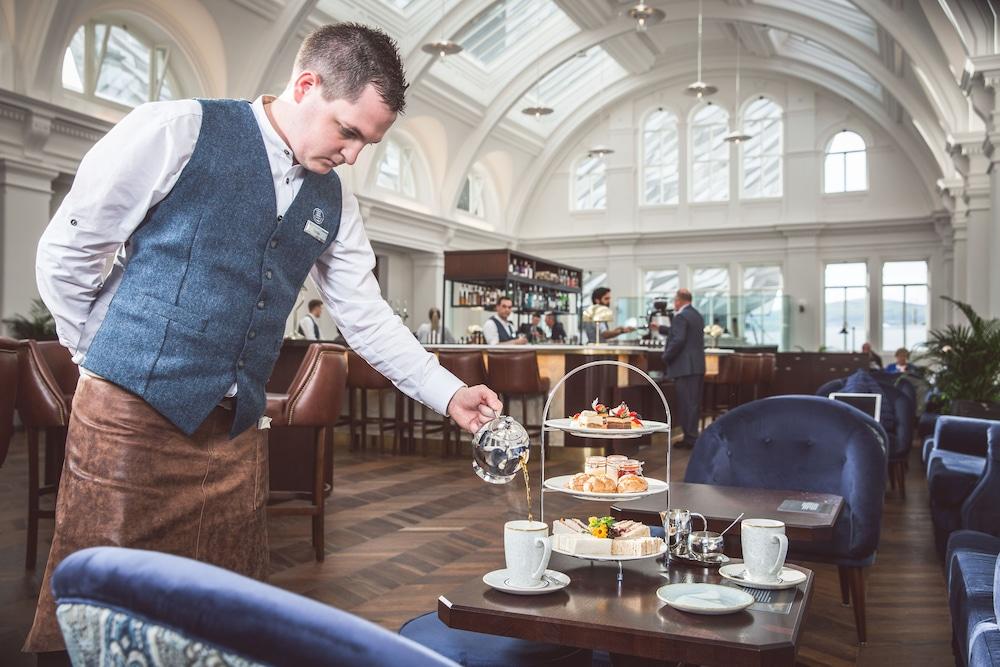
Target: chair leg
{"points": [[352, 419], [364, 420], [319, 498], [381, 416], [31, 555], [446, 449], [857, 576], [845, 586]]}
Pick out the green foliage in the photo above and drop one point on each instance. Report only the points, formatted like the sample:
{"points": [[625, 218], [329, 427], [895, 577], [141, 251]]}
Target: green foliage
{"points": [[967, 357], [38, 325]]}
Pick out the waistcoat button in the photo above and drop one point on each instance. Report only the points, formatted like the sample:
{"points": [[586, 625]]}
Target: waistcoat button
{"points": [[268, 274], [260, 305], [274, 243], [252, 334], [240, 363], [280, 218]]}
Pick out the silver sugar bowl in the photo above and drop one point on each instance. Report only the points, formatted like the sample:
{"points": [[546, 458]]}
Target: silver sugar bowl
{"points": [[498, 448]]}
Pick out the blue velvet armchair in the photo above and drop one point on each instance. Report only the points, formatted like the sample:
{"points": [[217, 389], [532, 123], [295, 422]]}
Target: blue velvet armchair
{"points": [[965, 494], [806, 443], [974, 597], [156, 609]]}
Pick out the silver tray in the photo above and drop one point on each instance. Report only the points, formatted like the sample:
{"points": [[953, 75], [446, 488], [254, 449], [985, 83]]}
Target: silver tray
{"points": [[693, 559]]}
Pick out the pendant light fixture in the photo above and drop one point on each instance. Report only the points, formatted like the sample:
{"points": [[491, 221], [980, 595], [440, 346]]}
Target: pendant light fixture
{"points": [[442, 47], [737, 136], [699, 88], [538, 109], [644, 15], [602, 150]]}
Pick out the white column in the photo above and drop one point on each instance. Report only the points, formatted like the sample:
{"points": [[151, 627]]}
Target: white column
{"points": [[25, 192], [977, 256], [804, 285], [428, 287], [993, 251]]}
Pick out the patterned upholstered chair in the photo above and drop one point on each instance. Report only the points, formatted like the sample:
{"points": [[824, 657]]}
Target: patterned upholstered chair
{"points": [[160, 610], [806, 443]]}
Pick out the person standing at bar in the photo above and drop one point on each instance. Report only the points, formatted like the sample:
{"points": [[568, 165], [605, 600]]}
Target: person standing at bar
{"points": [[684, 357], [498, 329], [309, 324], [600, 297], [433, 331], [215, 212]]}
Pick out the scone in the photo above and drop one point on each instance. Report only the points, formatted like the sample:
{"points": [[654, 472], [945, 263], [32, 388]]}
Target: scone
{"points": [[600, 484], [632, 484], [578, 481]]}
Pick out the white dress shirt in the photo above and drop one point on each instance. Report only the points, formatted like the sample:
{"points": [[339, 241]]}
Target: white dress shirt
{"points": [[490, 331], [308, 327], [133, 167]]}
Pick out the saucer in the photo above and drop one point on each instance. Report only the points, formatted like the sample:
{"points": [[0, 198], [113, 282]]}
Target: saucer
{"points": [[715, 560], [709, 599], [552, 581], [787, 578]]}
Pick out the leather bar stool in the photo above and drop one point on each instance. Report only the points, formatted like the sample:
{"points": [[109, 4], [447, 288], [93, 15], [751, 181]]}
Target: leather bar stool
{"points": [[47, 382], [8, 397], [516, 375], [313, 401], [361, 377], [749, 377], [470, 369], [718, 395], [768, 369]]}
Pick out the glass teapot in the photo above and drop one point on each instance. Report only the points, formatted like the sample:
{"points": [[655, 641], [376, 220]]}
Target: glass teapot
{"points": [[498, 449]]}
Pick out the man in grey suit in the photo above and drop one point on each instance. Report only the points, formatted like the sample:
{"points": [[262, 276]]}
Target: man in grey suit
{"points": [[684, 357]]}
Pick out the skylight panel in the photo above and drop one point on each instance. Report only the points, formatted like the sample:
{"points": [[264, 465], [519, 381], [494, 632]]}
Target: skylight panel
{"points": [[501, 27], [594, 65]]}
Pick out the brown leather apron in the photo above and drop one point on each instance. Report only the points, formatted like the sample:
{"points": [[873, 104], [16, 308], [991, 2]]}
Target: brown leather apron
{"points": [[132, 479]]}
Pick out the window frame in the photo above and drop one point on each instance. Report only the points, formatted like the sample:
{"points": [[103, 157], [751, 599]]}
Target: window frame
{"points": [[825, 159], [864, 334], [692, 154], [644, 163], [882, 310], [748, 125], [780, 295], [407, 159], [575, 185]]}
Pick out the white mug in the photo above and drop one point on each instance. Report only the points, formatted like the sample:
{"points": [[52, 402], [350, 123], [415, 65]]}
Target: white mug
{"points": [[764, 548], [527, 548]]}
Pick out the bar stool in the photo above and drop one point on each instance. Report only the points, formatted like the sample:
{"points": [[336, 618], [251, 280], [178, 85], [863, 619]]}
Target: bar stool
{"points": [[719, 390], [312, 401], [749, 377], [8, 398], [516, 375], [470, 369], [47, 381], [363, 378], [768, 369]]}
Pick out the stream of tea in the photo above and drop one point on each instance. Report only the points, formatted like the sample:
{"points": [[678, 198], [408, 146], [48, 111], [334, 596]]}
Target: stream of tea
{"points": [[527, 483]]}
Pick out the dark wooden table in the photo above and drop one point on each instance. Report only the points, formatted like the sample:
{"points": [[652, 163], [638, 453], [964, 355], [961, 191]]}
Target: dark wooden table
{"points": [[627, 619], [722, 504]]}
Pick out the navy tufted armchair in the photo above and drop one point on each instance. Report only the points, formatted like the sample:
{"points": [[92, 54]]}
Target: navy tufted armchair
{"points": [[160, 610], [806, 443]]}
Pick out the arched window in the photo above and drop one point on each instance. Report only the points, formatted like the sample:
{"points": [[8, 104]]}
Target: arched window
{"points": [[116, 63], [709, 154], [846, 166], [395, 169], [762, 152], [590, 185], [472, 199], [659, 158]]}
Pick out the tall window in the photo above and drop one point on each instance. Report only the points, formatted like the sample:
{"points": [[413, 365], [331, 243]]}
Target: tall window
{"points": [[845, 290], [113, 62], [846, 165], [660, 285], [904, 304], [762, 152], [763, 313], [659, 158], [710, 287], [709, 154], [590, 184], [471, 198], [395, 169]]}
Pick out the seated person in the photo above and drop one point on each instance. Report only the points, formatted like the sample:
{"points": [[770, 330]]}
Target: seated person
{"points": [[874, 361], [533, 332], [557, 333], [901, 364], [434, 331]]}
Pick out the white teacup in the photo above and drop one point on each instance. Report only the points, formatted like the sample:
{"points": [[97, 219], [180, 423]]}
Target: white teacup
{"points": [[764, 548], [527, 548]]}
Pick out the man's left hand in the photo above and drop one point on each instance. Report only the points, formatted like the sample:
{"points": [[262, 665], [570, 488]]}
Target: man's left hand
{"points": [[471, 407]]}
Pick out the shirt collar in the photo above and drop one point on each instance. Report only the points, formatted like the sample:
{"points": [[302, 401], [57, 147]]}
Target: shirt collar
{"points": [[273, 142], [681, 309]]}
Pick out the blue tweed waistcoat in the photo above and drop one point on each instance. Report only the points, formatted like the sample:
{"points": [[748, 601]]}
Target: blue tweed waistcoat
{"points": [[212, 274]]}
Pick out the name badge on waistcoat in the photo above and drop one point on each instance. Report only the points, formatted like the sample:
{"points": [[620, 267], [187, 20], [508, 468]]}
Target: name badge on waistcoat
{"points": [[313, 228]]}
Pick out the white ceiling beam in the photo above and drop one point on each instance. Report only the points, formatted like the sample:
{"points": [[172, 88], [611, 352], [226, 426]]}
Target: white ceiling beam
{"points": [[259, 70]]}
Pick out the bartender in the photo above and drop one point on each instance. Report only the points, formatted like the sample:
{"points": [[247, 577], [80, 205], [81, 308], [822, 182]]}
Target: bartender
{"points": [[309, 324], [600, 299], [498, 329]]}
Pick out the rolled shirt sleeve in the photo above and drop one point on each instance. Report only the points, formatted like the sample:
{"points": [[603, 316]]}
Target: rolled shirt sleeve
{"points": [[344, 277]]}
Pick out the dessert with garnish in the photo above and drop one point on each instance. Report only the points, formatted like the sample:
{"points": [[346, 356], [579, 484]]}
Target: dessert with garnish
{"points": [[600, 417]]}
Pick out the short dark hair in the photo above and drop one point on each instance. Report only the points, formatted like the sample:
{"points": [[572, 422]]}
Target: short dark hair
{"points": [[684, 294], [314, 302], [348, 57], [536, 313], [505, 298], [598, 294], [432, 312], [902, 350]]}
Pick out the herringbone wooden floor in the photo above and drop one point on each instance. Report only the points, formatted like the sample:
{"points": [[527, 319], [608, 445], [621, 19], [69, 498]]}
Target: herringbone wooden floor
{"points": [[403, 530]]}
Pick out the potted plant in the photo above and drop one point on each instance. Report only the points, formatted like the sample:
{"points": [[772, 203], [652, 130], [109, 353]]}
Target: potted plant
{"points": [[38, 325], [966, 358]]}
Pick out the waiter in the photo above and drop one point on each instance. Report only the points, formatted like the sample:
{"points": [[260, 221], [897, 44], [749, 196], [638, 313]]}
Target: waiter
{"points": [[217, 211], [684, 357], [309, 324], [498, 329]]}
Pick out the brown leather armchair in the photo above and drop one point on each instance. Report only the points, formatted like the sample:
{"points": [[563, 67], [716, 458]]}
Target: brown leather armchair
{"points": [[8, 395], [47, 382], [313, 401]]}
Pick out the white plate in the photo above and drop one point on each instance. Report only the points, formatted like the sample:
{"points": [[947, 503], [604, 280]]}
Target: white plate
{"points": [[787, 578], [711, 599], [559, 484], [566, 424], [617, 559], [552, 581]]}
